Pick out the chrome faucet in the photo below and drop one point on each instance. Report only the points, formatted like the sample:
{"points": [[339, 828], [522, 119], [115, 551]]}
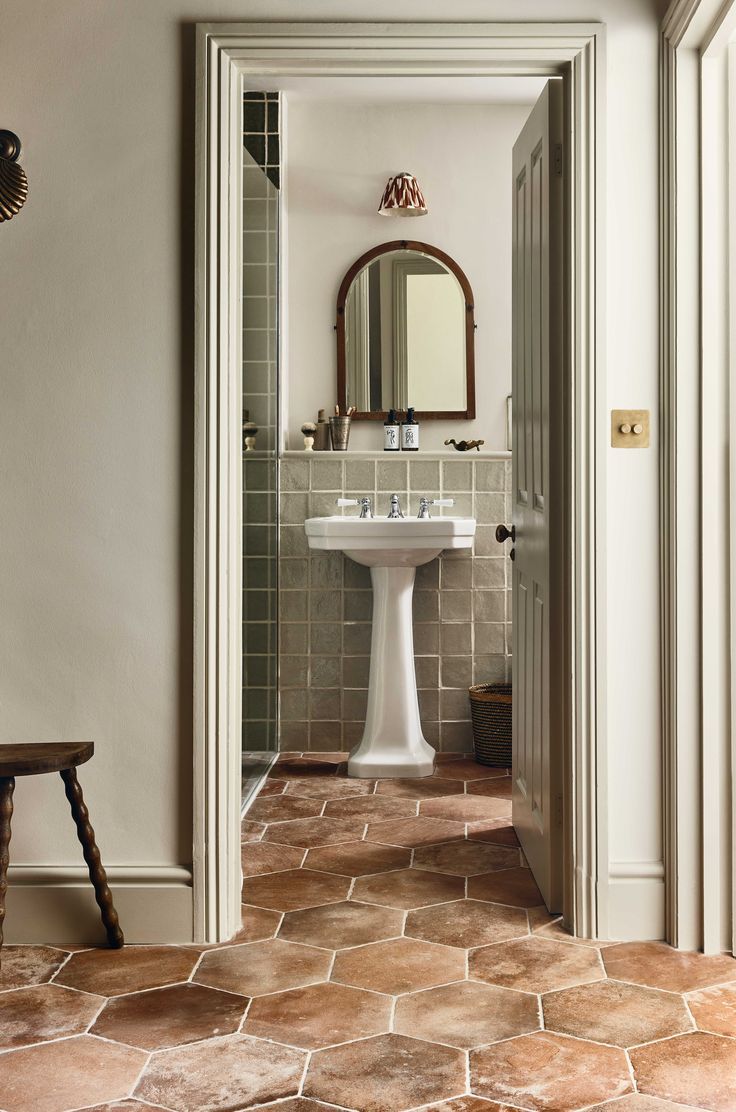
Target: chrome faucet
{"points": [[425, 503], [366, 510], [395, 510]]}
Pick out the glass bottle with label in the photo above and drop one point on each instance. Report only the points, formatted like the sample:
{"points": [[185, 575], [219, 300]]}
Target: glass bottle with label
{"points": [[391, 433], [410, 432]]}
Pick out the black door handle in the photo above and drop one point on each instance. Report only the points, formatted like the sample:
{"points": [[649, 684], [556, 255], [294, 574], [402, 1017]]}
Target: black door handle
{"points": [[505, 534]]}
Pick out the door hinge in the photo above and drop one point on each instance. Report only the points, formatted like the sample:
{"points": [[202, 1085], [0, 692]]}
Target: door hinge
{"points": [[557, 159], [558, 810]]}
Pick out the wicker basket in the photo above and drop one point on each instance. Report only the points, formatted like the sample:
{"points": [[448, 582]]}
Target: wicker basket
{"points": [[490, 708]]}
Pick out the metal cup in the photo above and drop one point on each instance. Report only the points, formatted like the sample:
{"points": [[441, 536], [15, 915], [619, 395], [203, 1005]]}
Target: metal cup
{"points": [[340, 433]]}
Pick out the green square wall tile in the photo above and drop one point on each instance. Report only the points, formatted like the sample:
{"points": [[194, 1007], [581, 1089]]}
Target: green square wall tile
{"points": [[424, 477], [490, 476], [457, 475], [295, 474], [360, 475], [327, 474], [392, 478]]}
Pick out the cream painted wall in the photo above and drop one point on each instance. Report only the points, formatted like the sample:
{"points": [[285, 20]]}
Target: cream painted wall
{"points": [[96, 428], [338, 159]]}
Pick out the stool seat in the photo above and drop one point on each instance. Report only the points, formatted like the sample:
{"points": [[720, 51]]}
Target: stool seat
{"points": [[33, 759], [38, 757]]}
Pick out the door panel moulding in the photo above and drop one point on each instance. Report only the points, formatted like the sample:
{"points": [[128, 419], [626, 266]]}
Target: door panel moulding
{"points": [[697, 531], [227, 54]]}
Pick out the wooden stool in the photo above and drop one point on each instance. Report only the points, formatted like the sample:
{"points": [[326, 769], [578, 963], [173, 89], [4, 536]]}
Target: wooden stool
{"points": [[61, 757]]}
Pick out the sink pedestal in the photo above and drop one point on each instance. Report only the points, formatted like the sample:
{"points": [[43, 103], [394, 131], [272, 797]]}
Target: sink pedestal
{"points": [[392, 743]]}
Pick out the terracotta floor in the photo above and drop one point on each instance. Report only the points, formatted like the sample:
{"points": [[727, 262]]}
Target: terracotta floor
{"points": [[394, 955]]}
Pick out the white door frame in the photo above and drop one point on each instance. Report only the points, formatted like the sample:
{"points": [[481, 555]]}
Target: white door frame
{"points": [[698, 550], [226, 54]]}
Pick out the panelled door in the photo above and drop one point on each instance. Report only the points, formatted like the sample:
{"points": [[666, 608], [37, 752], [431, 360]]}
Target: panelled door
{"points": [[537, 504]]}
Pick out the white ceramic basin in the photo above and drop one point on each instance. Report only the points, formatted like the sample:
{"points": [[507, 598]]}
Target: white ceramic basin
{"points": [[381, 542], [393, 743]]}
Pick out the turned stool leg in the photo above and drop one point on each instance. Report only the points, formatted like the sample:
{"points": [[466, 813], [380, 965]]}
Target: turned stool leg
{"points": [[7, 784], [97, 874]]}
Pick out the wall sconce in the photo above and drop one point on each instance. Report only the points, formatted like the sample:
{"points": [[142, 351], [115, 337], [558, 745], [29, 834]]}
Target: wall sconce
{"points": [[403, 197], [13, 180]]}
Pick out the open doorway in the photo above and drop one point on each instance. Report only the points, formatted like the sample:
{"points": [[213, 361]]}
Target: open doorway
{"points": [[498, 226]]}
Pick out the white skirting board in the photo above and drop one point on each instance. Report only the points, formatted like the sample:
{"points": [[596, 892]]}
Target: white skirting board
{"points": [[636, 908], [48, 904]]}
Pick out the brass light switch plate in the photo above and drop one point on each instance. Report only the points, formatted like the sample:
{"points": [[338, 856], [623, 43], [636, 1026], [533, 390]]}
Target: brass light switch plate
{"points": [[629, 428]]}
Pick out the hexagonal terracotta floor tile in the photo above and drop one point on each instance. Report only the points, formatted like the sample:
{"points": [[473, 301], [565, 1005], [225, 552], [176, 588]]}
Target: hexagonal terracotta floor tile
{"points": [[42, 1078], [408, 888], [549, 926], [252, 831], [221, 1074], [498, 831], [42, 1012], [263, 967], [321, 1015], [357, 858], [124, 1106], [467, 769], [429, 787], [271, 787], [112, 972], [386, 1072], [499, 789], [535, 965], [296, 1104], [371, 808], [658, 965], [281, 808], [314, 832], [514, 887], [695, 1069], [466, 923], [466, 1104], [336, 926], [414, 832], [640, 1102], [615, 1013], [164, 1017], [549, 1072], [400, 965], [29, 965], [466, 1014], [465, 858], [257, 858], [258, 924], [714, 1010], [465, 808], [294, 889], [328, 787]]}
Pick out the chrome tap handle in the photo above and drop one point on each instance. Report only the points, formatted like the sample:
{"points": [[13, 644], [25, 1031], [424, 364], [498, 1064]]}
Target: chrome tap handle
{"points": [[366, 510], [395, 510], [425, 503]]}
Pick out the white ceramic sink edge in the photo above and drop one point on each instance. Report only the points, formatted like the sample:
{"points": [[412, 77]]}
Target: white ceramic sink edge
{"points": [[343, 533]]}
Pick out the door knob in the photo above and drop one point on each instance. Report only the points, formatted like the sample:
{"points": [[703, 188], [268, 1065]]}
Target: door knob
{"points": [[505, 534]]}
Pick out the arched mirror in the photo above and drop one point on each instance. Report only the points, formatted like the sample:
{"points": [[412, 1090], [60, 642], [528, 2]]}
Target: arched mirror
{"points": [[406, 334]]}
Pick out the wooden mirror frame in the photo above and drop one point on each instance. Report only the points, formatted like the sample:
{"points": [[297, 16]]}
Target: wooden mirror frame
{"points": [[467, 414]]}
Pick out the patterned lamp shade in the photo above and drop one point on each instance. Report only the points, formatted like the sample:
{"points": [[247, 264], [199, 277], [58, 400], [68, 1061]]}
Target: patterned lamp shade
{"points": [[403, 197]]}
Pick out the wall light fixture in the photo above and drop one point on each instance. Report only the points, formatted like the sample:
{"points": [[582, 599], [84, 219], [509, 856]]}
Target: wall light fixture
{"points": [[13, 180], [403, 197]]}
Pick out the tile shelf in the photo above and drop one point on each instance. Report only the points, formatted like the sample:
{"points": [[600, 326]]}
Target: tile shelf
{"points": [[437, 454]]}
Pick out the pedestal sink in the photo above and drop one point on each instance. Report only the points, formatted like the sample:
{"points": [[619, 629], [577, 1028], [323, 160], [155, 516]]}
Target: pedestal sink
{"points": [[393, 743]]}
